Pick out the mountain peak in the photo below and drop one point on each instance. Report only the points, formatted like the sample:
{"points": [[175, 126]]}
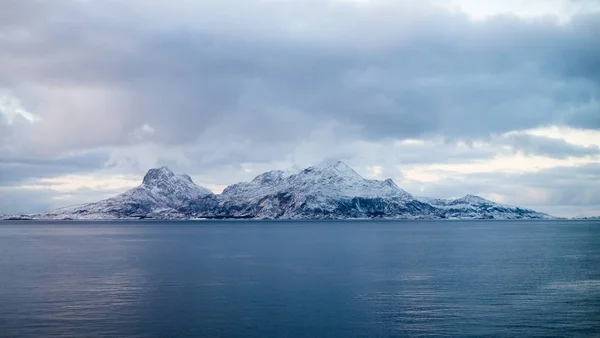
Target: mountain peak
{"points": [[335, 167], [269, 177], [332, 164], [391, 183], [473, 199], [157, 174], [186, 177]]}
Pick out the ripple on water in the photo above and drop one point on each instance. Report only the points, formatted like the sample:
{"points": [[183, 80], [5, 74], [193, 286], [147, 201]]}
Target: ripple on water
{"points": [[579, 286]]}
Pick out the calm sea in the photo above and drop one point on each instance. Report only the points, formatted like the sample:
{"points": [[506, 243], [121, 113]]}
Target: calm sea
{"points": [[300, 279]]}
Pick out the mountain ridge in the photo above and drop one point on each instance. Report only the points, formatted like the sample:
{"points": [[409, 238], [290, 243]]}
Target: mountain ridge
{"points": [[331, 190]]}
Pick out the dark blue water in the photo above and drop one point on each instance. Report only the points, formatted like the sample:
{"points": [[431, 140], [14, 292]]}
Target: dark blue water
{"points": [[299, 279]]}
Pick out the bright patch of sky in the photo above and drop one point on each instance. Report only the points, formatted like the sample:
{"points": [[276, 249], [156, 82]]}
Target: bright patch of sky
{"points": [[481, 9], [12, 109]]}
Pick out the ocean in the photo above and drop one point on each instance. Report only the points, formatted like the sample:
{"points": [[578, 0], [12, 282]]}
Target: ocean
{"points": [[300, 279]]}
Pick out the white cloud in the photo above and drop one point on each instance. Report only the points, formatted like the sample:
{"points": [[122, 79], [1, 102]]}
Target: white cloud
{"points": [[12, 109], [481, 10], [511, 164], [142, 133]]}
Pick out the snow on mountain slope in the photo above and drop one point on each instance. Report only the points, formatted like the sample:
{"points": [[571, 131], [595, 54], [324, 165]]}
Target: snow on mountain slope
{"points": [[326, 191], [475, 207], [330, 190], [161, 193], [336, 180]]}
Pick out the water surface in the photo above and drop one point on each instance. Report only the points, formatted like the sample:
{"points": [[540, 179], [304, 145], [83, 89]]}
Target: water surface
{"points": [[299, 279]]}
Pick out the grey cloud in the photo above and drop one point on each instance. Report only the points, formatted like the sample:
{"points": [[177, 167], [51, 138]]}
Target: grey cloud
{"points": [[24, 201], [573, 185], [439, 74], [15, 171]]}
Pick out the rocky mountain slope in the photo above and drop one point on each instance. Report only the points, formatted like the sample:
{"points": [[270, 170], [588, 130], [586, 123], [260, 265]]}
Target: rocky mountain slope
{"points": [[326, 191]]}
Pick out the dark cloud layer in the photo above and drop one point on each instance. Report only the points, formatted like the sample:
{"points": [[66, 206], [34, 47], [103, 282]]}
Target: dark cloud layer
{"points": [[550, 147], [15, 171], [441, 74]]}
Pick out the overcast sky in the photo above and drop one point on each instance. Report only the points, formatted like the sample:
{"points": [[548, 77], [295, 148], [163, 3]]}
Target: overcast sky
{"points": [[495, 98]]}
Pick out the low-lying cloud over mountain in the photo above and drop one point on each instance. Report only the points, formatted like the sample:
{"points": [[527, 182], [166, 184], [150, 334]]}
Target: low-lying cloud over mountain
{"points": [[448, 97]]}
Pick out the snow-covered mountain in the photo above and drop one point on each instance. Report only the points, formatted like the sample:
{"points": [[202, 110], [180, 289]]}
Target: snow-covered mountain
{"points": [[331, 190], [326, 191], [475, 207], [160, 195]]}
